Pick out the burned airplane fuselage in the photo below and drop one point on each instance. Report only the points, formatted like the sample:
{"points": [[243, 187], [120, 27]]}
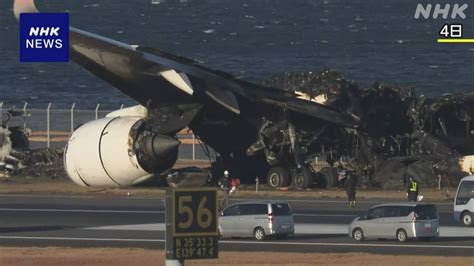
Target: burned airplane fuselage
{"points": [[449, 118], [398, 134]]}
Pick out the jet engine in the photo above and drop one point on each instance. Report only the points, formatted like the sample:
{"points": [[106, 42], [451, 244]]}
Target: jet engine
{"points": [[118, 151]]}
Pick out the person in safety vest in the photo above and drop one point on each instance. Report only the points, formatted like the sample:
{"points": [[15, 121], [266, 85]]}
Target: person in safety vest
{"points": [[413, 188]]}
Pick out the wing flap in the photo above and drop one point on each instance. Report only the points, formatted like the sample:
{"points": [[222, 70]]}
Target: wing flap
{"points": [[180, 80]]}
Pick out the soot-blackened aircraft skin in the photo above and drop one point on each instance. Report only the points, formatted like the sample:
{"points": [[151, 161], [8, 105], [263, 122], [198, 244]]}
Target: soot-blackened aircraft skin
{"points": [[258, 130]]}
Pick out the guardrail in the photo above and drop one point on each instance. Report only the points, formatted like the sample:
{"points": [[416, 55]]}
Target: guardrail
{"points": [[52, 127]]}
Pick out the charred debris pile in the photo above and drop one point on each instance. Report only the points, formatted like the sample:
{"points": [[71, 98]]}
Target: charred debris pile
{"points": [[16, 157], [37, 163], [399, 134]]}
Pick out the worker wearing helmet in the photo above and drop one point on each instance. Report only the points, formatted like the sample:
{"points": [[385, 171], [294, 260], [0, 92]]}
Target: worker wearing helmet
{"points": [[224, 184]]}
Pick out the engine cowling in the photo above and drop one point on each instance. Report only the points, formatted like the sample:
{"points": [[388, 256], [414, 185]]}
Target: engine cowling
{"points": [[117, 151]]}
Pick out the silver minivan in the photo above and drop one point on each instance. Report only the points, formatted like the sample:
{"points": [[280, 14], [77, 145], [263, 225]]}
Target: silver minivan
{"points": [[259, 219], [401, 221]]}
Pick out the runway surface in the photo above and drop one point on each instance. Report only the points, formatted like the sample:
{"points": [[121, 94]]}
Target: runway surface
{"points": [[83, 221]]}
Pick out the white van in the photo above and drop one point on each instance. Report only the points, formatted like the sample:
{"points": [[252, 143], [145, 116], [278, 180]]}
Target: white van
{"points": [[464, 201]]}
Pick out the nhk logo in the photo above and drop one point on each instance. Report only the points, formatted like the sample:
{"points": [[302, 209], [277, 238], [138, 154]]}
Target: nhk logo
{"points": [[44, 43], [44, 37], [425, 11]]}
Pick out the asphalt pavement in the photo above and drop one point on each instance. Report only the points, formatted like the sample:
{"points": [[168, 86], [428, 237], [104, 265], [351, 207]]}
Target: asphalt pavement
{"points": [[111, 221]]}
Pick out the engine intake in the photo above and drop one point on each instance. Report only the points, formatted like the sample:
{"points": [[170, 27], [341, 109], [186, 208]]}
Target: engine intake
{"points": [[117, 151]]}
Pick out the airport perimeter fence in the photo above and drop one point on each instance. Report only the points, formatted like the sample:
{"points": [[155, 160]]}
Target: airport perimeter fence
{"points": [[52, 128]]}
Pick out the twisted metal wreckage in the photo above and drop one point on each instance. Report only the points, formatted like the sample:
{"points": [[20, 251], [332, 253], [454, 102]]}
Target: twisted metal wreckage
{"points": [[398, 134], [273, 130]]}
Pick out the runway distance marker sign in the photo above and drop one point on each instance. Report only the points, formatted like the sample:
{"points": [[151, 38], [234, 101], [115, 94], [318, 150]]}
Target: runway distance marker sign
{"points": [[194, 224]]}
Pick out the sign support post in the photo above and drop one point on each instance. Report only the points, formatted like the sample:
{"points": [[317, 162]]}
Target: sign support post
{"points": [[169, 239]]}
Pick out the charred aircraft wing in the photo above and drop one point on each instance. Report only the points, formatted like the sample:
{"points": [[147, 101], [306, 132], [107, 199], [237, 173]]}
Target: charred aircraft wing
{"points": [[153, 77]]}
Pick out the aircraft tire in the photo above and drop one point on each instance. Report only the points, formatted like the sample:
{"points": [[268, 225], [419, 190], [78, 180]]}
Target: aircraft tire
{"points": [[330, 174], [278, 177], [303, 179], [320, 180]]}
